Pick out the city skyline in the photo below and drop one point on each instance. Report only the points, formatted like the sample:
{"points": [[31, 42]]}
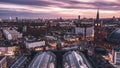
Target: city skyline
{"points": [[58, 8]]}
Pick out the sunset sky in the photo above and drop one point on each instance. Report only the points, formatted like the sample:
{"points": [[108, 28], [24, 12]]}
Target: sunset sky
{"points": [[58, 8]]}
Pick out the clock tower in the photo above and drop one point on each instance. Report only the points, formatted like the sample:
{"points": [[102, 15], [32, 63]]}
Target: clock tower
{"points": [[97, 27]]}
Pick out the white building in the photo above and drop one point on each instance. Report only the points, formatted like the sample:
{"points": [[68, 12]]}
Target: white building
{"points": [[116, 57], [30, 45], [64, 24], [6, 51], [70, 37], [11, 34]]}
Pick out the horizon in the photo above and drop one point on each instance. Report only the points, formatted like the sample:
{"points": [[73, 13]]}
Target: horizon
{"points": [[52, 9], [54, 18]]}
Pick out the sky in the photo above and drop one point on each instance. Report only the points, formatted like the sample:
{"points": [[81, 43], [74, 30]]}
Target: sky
{"points": [[59, 8]]}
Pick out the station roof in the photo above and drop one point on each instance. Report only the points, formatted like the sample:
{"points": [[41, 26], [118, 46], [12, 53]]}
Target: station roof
{"points": [[115, 35]]}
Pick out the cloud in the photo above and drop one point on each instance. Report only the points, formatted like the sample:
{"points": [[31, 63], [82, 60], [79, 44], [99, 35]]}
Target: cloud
{"points": [[5, 14], [68, 4], [93, 5], [24, 8], [29, 2], [65, 8]]}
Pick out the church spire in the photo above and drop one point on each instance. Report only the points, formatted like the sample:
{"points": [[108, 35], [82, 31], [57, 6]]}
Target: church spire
{"points": [[97, 17]]}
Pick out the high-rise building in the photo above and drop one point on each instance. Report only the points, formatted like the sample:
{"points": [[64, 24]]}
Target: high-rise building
{"points": [[97, 27], [78, 20], [1, 20], [10, 19], [78, 17], [16, 19]]}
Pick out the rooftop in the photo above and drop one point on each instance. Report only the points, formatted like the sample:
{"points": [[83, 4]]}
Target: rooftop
{"points": [[1, 57], [115, 36]]}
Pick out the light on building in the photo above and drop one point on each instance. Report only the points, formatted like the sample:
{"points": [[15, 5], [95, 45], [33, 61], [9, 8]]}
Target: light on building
{"points": [[38, 49], [95, 24], [1, 20], [10, 18], [0, 52], [98, 24]]}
